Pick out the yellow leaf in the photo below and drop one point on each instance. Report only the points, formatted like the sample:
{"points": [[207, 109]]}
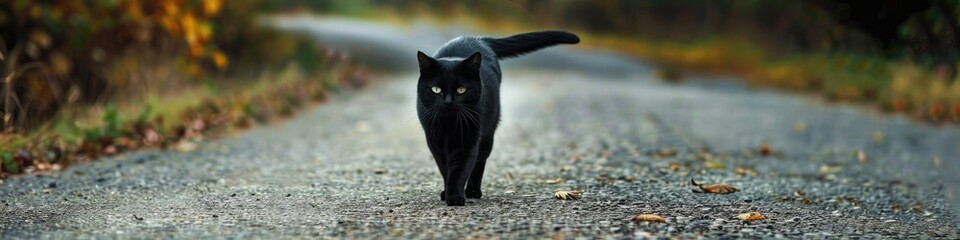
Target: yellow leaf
{"points": [[745, 171], [752, 216], [554, 181], [827, 169], [211, 7], [648, 218], [220, 60], [715, 165], [204, 31], [189, 26], [567, 195]]}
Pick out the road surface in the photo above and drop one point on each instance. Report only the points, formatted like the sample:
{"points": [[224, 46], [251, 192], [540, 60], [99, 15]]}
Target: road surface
{"points": [[574, 119]]}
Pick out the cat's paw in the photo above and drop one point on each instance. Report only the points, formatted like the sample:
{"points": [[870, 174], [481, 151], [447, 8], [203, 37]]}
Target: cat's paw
{"points": [[443, 195], [456, 201], [474, 193]]}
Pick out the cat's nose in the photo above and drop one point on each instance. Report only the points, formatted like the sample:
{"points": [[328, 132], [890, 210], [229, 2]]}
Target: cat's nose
{"points": [[448, 100]]}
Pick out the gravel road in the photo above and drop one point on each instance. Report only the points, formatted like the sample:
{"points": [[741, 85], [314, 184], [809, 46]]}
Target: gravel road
{"points": [[358, 167]]}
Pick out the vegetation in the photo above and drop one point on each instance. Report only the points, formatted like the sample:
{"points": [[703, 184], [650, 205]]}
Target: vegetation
{"points": [[899, 55], [83, 79]]}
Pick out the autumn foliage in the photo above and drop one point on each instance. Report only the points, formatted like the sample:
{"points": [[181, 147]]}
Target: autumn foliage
{"points": [[59, 52]]}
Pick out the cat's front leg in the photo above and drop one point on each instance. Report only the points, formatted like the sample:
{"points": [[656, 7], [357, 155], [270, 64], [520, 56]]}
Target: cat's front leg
{"points": [[459, 167], [441, 159]]}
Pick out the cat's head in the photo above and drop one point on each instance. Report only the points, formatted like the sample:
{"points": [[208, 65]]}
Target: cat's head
{"points": [[446, 84]]}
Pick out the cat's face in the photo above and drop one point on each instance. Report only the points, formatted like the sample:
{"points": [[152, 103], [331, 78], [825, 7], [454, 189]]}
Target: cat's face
{"points": [[446, 85]]}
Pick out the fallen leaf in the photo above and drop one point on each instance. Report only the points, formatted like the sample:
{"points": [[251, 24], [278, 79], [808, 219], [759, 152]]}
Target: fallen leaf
{"points": [[666, 152], [674, 167], [705, 156], [567, 195], [878, 136], [799, 194], [752, 216], [379, 171], [605, 179], [715, 188], [554, 181], [42, 166], [827, 169], [764, 149], [745, 171], [566, 168], [648, 218], [799, 126], [917, 207], [715, 165], [185, 146]]}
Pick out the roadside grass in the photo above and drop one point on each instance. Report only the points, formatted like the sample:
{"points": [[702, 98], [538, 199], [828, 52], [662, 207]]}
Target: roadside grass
{"points": [[173, 120], [896, 86]]}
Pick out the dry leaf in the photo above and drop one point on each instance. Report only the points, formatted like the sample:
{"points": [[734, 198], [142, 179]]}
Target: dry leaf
{"points": [[605, 179], [667, 152], [185, 146], [567, 195], [827, 169], [674, 167], [554, 181], [917, 207], [566, 168], [648, 218], [705, 156], [764, 149], [878, 136], [799, 126], [379, 171], [752, 216], [715, 188], [745, 171], [715, 165]]}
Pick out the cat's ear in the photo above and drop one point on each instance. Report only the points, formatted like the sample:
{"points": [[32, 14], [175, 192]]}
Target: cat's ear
{"points": [[473, 62], [426, 62]]}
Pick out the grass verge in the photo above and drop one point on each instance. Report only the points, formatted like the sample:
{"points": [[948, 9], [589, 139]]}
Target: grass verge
{"points": [[895, 86], [176, 120]]}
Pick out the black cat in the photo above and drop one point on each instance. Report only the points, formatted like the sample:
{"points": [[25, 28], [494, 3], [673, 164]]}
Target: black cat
{"points": [[458, 102]]}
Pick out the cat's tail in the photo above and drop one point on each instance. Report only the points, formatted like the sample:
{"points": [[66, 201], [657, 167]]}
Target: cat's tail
{"points": [[520, 44]]}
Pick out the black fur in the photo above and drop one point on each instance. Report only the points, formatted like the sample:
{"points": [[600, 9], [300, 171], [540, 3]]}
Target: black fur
{"points": [[459, 127]]}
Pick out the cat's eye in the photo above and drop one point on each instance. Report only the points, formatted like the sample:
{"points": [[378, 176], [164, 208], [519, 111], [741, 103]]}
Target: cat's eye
{"points": [[461, 90], [435, 89]]}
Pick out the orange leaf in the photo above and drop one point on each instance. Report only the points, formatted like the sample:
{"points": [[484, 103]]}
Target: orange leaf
{"points": [[648, 218], [715, 188], [752, 216], [220, 60]]}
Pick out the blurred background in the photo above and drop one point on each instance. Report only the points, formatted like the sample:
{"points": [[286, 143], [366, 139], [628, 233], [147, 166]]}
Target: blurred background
{"points": [[84, 79]]}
